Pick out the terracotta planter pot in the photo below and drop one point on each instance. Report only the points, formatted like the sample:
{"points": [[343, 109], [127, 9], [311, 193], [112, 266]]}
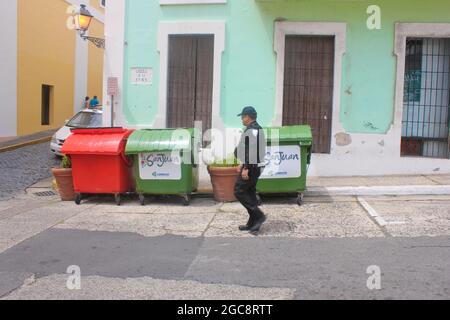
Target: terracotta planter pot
{"points": [[223, 181], [64, 181]]}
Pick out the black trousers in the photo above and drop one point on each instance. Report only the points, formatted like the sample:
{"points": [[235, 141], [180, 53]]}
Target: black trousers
{"points": [[245, 192]]}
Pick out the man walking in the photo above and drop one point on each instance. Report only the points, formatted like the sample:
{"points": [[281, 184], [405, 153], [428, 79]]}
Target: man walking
{"points": [[251, 152]]}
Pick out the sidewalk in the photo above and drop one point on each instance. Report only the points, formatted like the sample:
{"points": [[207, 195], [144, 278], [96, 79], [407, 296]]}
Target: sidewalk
{"points": [[438, 184], [349, 186], [166, 250], [19, 142], [366, 186]]}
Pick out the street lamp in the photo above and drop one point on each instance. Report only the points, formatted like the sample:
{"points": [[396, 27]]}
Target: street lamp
{"points": [[83, 19]]}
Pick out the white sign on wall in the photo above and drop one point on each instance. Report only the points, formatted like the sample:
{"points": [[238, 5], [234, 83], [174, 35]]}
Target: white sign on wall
{"points": [[113, 86], [142, 76], [160, 166], [282, 162]]}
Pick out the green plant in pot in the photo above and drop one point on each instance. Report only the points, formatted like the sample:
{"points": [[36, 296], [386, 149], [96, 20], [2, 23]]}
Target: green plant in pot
{"points": [[64, 180], [224, 173]]}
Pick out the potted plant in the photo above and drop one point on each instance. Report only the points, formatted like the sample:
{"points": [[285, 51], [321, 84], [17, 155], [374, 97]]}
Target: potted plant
{"points": [[64, 180], [223, 178]]}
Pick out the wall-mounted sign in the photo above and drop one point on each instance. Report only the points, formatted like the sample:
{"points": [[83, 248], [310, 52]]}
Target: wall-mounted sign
{"points": [[282, 162], [160, 166], [142, 76]]}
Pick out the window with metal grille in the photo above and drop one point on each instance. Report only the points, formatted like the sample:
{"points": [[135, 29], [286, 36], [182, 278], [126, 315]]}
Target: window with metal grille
{"points": [[426, 101]]}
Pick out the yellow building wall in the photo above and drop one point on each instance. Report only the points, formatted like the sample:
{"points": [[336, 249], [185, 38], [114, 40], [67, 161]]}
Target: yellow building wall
{"points": [[96, 4], [46, 55]]}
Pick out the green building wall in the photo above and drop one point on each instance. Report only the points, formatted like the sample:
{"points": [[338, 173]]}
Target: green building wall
{"points": [[249, 61]]}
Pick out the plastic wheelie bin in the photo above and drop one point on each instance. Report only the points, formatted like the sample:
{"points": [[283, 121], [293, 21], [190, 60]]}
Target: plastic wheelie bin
{"points": [[287, 161], [99, 163], [164, 162]]}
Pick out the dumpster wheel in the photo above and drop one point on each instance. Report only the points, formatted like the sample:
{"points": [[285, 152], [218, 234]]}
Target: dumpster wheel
{"points": [[118, 199], [78, 199], [142, 199], [300, 199], [186, 200]]}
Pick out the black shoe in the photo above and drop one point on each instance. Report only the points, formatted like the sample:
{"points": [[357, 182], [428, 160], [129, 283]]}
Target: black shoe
{"points": [[258, 224], [244, 228], [248, 226]]}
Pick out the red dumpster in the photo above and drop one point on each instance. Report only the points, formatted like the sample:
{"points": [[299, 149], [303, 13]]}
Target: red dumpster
{"points": [[99, 164]]}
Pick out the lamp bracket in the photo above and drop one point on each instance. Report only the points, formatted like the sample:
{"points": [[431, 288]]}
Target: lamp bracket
{"points": [[98, 42]]}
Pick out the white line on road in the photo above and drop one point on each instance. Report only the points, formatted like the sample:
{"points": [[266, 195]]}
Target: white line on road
{"points": [[372, 212], [375, 215]]}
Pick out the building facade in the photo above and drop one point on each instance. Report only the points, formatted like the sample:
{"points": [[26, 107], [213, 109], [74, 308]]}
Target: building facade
{"points": [[372, 79], [47, 70]]}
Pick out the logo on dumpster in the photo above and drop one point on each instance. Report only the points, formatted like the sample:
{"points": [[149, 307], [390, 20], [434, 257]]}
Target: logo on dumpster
{"points": [[157, 174], [159, 159], [282, 162], [279, 157], [160, 166]]}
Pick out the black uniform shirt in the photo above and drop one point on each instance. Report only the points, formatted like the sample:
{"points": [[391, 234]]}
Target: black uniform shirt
{"points": [[251, 150]]}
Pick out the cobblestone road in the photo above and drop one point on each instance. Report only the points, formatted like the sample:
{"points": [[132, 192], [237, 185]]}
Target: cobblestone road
{"points": [[23, 167]]}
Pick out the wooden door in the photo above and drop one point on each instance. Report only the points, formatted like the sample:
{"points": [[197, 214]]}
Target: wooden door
{"points": [[190, 81], [308, 86]]}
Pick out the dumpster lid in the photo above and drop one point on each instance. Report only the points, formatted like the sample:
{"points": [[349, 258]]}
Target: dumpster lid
{"points": [[301, 133], [106, 141], [159, 140]]}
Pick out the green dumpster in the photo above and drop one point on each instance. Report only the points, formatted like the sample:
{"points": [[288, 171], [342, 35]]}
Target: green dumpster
{"points": [[287, 161], [164, 162]]}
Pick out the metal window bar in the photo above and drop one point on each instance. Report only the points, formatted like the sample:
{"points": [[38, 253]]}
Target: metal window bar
{"points": [[425, 129]]}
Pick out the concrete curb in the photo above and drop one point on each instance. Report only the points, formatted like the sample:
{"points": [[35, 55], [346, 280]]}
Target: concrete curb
{"points": [[379, 191], [25, 144], [405, 190]]}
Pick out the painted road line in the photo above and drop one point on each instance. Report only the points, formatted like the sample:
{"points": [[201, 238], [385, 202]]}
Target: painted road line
{"points": [[375, 215], [372, 212], [380, 190]]}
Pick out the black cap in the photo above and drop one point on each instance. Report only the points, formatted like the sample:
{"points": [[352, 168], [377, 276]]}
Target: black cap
{"points": [[248, 111]]}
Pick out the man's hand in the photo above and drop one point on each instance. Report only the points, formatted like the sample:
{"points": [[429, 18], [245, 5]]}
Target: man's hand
{"points": [[245, 176]]}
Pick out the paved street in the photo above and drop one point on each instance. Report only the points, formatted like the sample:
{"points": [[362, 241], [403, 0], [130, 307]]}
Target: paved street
{"points": [[166, 251], [23, 167]]}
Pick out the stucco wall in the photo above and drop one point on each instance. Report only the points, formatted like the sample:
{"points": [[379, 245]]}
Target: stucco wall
{"points": [[368, 84], [8, 63], [95, 65], [52, 54], [46, 55]]}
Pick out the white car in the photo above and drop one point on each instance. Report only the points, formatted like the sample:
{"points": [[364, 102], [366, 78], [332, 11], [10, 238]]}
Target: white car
{"points": [[83, 119]]}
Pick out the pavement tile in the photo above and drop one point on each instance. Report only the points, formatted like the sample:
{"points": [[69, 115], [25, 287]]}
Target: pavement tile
{"points": [[198, 205], [369, 181], [312, 220], [149, 225], [334, 220], [22, 226], [443, 179], [9, 281], [415, 218], [101, 288]]}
